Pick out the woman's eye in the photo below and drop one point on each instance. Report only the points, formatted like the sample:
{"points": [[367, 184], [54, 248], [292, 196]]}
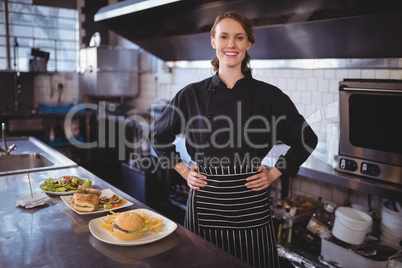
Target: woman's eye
{"points": [[240, 38], [224, 37]]}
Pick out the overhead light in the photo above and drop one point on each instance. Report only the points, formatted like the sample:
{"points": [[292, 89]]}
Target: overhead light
{"points": [[135, 7]]}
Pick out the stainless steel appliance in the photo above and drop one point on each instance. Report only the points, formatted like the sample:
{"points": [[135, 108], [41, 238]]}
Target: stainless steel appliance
{"points": [[109, 72], [370, 141]]}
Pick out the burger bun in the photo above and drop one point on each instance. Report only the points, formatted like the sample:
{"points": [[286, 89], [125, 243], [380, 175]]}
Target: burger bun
{"points": [[129, 221]]}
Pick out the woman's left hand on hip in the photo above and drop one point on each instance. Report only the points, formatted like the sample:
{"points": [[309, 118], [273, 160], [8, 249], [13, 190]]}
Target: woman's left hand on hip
{"points": [[261, 180]]}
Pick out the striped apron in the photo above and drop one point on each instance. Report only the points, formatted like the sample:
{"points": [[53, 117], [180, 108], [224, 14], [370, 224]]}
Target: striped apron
{"points": [[233, 217]]}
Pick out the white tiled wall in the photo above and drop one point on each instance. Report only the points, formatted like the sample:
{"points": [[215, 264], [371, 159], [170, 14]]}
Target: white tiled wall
{"points": [[46, 88], [303, 186]]}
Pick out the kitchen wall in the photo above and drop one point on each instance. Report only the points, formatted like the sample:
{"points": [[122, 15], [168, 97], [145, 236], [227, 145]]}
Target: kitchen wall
{"points": [[315, 94], [47, 90]]}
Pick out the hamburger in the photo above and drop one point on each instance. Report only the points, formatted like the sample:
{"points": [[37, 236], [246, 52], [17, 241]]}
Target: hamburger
{"points": [[129, 226], [85, 202]]}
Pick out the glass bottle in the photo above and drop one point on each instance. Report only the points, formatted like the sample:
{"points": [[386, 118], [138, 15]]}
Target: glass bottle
{"points": [[285, 235], [322, 221]]}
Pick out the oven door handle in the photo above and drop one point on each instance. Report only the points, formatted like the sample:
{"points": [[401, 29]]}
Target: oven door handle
{"points": [[373, 90]]}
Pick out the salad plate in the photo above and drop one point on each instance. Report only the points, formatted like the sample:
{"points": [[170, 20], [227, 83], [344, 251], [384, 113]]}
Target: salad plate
{"points": [[64, 185], [106, 192], [148, 236]]}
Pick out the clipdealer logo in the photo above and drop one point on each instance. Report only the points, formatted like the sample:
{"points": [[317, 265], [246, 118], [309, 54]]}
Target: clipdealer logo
{"points": [[116, 125]]}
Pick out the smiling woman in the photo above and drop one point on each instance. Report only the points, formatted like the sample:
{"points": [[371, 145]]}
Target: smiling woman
{"points": [[228, 199]]}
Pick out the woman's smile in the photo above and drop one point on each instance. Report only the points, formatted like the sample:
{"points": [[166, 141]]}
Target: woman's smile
{"points": [[231, 54]]}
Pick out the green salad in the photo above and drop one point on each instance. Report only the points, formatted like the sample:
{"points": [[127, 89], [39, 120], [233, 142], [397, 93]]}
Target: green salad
{"points": [[64, 184]]}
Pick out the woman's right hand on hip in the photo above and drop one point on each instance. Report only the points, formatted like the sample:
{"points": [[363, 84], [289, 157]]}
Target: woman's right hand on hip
{"points": [[196, 180]]}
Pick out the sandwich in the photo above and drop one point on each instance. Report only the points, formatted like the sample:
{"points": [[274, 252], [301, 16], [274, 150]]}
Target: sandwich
{"points": [[129, 226], [84, 190], [84, 202]]}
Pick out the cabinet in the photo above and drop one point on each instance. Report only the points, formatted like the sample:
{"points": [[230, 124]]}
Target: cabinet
{"points": [[145, 182], [17, 91]]}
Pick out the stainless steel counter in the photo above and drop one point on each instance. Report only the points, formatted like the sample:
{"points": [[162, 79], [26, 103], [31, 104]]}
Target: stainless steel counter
{"points": [[320, 171], [55, 236]]}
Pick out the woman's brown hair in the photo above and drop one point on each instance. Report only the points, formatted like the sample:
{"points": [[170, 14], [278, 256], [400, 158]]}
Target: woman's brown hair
{"points": [[247, 26]]}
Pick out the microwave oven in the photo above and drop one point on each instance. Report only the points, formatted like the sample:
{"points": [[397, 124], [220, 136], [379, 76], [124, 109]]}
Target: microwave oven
{"points": [[370, 124]]}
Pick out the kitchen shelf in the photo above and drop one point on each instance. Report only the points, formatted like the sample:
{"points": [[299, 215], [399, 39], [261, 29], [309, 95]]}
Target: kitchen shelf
{"points": [[317, 170], [48, 108]]}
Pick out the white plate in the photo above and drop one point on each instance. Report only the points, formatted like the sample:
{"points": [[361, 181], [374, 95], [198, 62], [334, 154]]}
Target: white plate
{"points": [[106, 192], [148, 237], [66, 193]]}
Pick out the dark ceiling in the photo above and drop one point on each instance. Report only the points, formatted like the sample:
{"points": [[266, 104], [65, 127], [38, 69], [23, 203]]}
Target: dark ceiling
{"points": [[283, 29]]}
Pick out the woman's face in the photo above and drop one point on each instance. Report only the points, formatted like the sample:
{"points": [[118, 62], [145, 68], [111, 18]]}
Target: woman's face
{"points": [[230, 42]]}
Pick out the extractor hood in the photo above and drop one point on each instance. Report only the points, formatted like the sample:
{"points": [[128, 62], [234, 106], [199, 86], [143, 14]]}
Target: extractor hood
{"points": [[176, 30]]}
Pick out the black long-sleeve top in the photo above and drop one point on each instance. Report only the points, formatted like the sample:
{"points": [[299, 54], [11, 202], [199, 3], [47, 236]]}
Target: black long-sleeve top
{"points": [[233, 127]]}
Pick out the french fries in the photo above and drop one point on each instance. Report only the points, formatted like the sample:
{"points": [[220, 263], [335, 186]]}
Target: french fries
{"points": [[152, 224], [108, 223]]}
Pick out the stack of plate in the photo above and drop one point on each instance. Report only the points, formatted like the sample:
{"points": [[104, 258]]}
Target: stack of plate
{"points": [[391, 223]]}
